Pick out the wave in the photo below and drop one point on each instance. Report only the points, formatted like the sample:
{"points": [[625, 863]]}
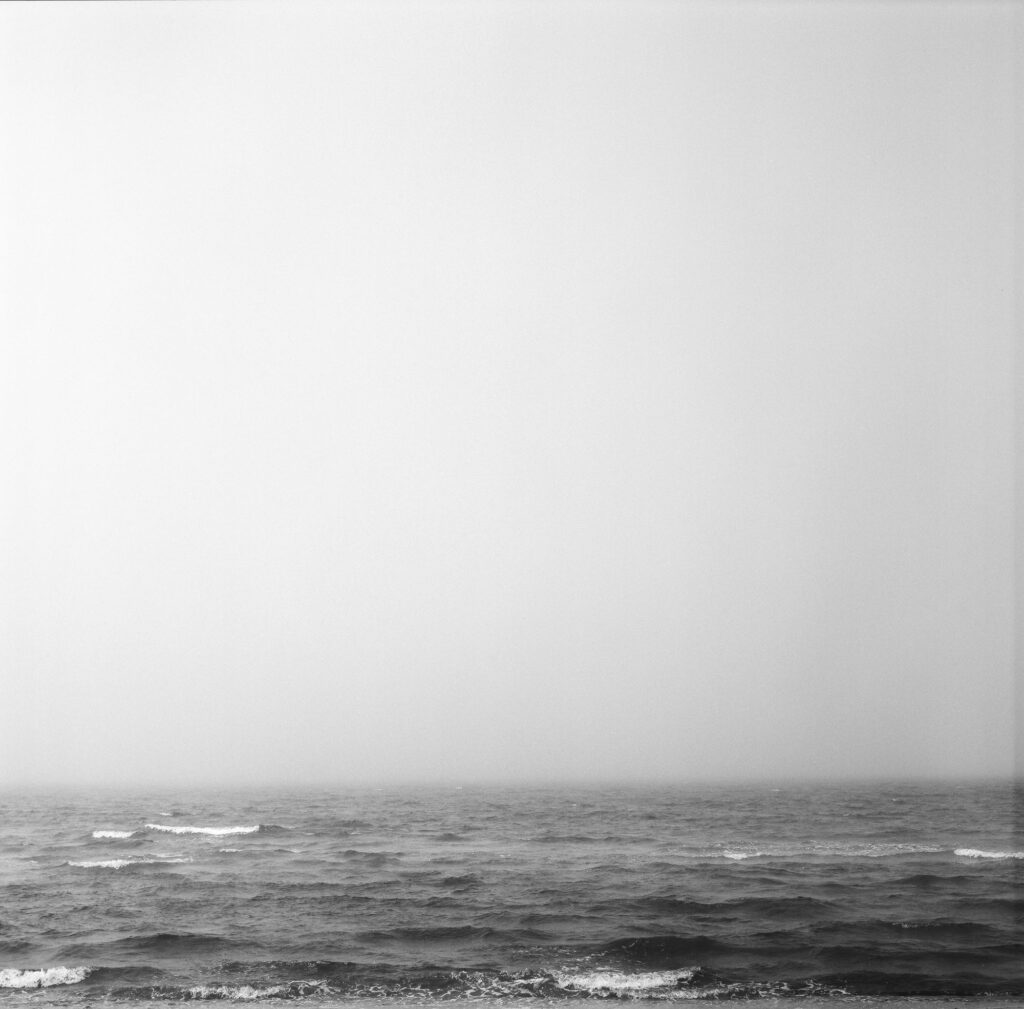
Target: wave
{"points": [[322, 980], [113, 834], [798, 906], [496, 986], [654, 949], [371, 859], [563, 839], [620, 983], [210, 831], [830, 850], [446, 933], [979, 853], [171, 942], [110, 863], [124, 863], [460, 881], [44, 978], [249, 993]]}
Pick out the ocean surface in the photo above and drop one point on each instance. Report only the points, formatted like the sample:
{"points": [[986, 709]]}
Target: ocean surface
{"points": [[825, 893]]}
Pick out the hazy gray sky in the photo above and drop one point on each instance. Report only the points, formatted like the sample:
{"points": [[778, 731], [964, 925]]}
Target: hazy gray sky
{"points": [[468, 390]]}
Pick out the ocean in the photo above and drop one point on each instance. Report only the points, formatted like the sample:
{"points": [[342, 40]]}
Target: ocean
{"points": [[826, 893]]}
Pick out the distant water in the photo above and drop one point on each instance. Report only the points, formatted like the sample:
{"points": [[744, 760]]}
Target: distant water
{"points": [[499, 894]]}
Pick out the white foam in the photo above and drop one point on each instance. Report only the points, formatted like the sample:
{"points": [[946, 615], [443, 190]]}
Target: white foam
{"points": [[211, 831], [620, 983], [979, 853], [12, 978], [120, 834], [110, 863], [120, 863], [244, 991], [241, 993], [826, 850]]}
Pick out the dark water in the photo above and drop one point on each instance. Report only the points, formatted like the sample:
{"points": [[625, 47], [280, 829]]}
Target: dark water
{"points": [[669, 893]]}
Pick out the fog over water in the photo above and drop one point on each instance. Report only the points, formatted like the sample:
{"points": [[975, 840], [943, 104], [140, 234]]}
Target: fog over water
{"points": [[457, 391]]}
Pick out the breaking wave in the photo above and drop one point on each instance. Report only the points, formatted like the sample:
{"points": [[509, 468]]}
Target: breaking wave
{"points": [[259, 828], [248, 993], [348, 981], [113, 834], [619, 983], [824, 851], [44, 978], [980, 853], [123, 863]]}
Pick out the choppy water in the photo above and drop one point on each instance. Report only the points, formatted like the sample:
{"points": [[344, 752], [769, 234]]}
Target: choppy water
{"points": [[494, 894]]}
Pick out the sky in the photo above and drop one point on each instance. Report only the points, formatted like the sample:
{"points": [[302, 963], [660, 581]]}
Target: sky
{"points": [[461, 391]]}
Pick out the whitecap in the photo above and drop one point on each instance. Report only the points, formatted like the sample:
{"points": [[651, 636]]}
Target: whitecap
{"points": [[45, 978], [211, 831], [882, 850], [117, 834], [243, 992], [121, 863], [620, 983], [109, 863], [830, 850], [979, 853]]}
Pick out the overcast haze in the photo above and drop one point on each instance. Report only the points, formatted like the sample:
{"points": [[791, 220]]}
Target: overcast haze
{"points": [[457, 391]]}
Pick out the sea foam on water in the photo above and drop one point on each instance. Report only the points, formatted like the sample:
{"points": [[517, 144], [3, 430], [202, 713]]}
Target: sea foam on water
{"points": [[491, 894]]}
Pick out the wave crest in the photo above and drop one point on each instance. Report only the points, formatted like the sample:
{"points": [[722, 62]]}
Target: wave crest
{"points": [[109, 863], [980, 853], [211, 831], [258, 828], [248, 993], [123, 863], [115, 834], [43, 978], [613, 982]]}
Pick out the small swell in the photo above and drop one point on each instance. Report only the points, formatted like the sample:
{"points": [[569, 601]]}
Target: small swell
{"points": [[44, 978], [460, 881], [563, 839], [172, 942], [660, 948], [373, 859], [437, 933], [450, 933]]}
